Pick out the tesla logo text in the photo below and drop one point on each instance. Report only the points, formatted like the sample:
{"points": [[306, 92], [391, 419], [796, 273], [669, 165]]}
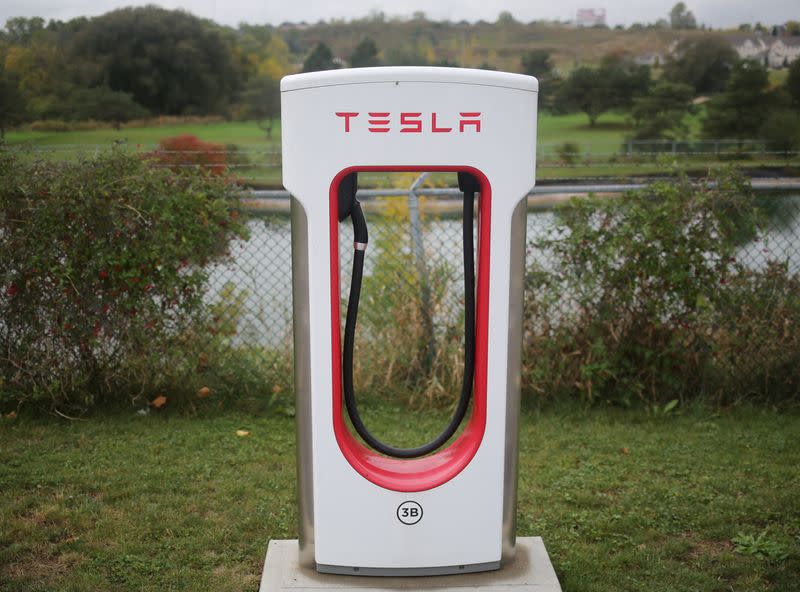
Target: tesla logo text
{"points": [[411, 122]]}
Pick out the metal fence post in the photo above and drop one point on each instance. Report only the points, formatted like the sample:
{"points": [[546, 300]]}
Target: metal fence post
{"points": [[422, 271]]}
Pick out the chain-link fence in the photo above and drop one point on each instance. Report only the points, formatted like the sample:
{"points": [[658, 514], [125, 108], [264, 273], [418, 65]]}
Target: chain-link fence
{"points": [[261, 164], [410, 330]]}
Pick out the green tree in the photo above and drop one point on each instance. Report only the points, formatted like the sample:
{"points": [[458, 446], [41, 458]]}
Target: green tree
{"points": [[262, 100], [539, 63], [681, 18], [320, 58], [704, 62], [781, 130], [505, 18], [170, 61], [365, 54], [22, 31], [583, 91], [12, 105], [612, 86], [793, 83], [662, 112], [102, 104], [741, 110]]}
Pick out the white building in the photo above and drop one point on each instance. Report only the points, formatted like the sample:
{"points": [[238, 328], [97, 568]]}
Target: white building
{"points": [[591, 17], [783, 51], [750, 47]]}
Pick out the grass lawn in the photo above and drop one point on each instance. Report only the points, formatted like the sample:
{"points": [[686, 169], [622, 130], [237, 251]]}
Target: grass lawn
{"points": [[623, 501], [244, 134], [596, 145]]}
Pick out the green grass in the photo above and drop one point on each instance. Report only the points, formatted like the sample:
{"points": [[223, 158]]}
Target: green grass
{"points": [[244, 134], [624, 501], [596, 144]]}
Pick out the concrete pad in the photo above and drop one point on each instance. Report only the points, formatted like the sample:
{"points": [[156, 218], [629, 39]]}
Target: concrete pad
{"points": [[531, 571]]}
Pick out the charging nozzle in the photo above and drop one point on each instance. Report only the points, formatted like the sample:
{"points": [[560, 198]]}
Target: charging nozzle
{"points": [[347, 195], [468, 183]]}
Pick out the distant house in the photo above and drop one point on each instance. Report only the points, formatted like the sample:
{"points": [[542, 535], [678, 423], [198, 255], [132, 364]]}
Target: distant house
{"points": [[750, 47], [783, 51], [774, 52], [649, 59], [591, 17]]}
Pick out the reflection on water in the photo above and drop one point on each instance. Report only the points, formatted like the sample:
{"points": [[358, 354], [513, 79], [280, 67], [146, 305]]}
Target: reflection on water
{"points": [[260, 268]]}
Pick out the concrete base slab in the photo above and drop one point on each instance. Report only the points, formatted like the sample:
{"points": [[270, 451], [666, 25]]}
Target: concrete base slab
{"points": [[531, 571]]}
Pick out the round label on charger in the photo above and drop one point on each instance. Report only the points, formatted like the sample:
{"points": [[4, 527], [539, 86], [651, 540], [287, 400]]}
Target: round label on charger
{"points": [[409, 512]]}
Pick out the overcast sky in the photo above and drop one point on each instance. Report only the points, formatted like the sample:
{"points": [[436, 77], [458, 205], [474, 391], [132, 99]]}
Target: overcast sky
{"points": [[716, 13]]}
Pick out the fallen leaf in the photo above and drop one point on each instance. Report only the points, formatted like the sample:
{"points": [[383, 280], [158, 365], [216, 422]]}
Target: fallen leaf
{"points": [[242, 433], [159, 401], [204, 393], [625, 450], [11, 414]]}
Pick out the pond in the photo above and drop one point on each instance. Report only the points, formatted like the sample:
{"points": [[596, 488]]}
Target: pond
{"points": [[256, 282]]}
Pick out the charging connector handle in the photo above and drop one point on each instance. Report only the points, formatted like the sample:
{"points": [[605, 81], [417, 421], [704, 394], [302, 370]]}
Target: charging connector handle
{"points": [[469, 185]]}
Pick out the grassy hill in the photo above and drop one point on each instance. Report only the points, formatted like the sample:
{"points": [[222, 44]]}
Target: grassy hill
{"points": [[500, 45]]}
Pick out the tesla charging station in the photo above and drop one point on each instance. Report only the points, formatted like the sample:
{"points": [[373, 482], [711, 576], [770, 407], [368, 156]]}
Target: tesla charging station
{"points": [[448, 506]]}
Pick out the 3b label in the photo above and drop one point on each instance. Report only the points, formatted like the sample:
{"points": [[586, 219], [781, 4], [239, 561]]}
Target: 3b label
{"points": [[409, 512]]}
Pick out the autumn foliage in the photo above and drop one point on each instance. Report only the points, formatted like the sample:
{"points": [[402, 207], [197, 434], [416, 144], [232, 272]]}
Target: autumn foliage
{"points": [[190, 152], [102, 277]]}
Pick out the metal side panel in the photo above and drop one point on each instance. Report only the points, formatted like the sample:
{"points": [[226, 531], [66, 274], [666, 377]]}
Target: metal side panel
{"points": [[302, 383], [514, 378]]}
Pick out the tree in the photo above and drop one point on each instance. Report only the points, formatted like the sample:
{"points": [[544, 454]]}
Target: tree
{"points": [[102, 104], [320, 58], [538, 63], [170, 61], [12, 105], [262, 100], [741, 110], [22, 31], [42, 75], [704, 62], [661, 113], [781, 130], [681, 18], [365, 54], [582, 91], [505, 18], [612, 86], [793, 83]]}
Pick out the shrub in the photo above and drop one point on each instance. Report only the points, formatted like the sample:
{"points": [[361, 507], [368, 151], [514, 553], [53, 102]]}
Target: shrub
{"points": [[781, 130], [102, 104], [102, 277], [645, 301], [190, 152], [568, 153]]}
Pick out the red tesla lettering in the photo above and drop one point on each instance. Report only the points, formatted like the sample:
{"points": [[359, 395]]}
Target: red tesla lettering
{"points": [[438, 129], [413, 120], [472, 118], [379, 122], [347, 116]]}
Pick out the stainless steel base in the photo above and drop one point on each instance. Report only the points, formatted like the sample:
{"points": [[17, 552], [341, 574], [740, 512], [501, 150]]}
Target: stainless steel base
{"points": [[446, 570]]}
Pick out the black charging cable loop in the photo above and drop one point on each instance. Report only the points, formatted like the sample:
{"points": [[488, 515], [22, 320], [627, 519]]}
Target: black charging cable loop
{"points": [[469, 186]]}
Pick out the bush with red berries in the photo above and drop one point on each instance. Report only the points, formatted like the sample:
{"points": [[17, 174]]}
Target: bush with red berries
{"points": [[102, 275]]}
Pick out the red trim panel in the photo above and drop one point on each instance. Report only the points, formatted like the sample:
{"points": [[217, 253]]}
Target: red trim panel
{"points": [[424, 473]]}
